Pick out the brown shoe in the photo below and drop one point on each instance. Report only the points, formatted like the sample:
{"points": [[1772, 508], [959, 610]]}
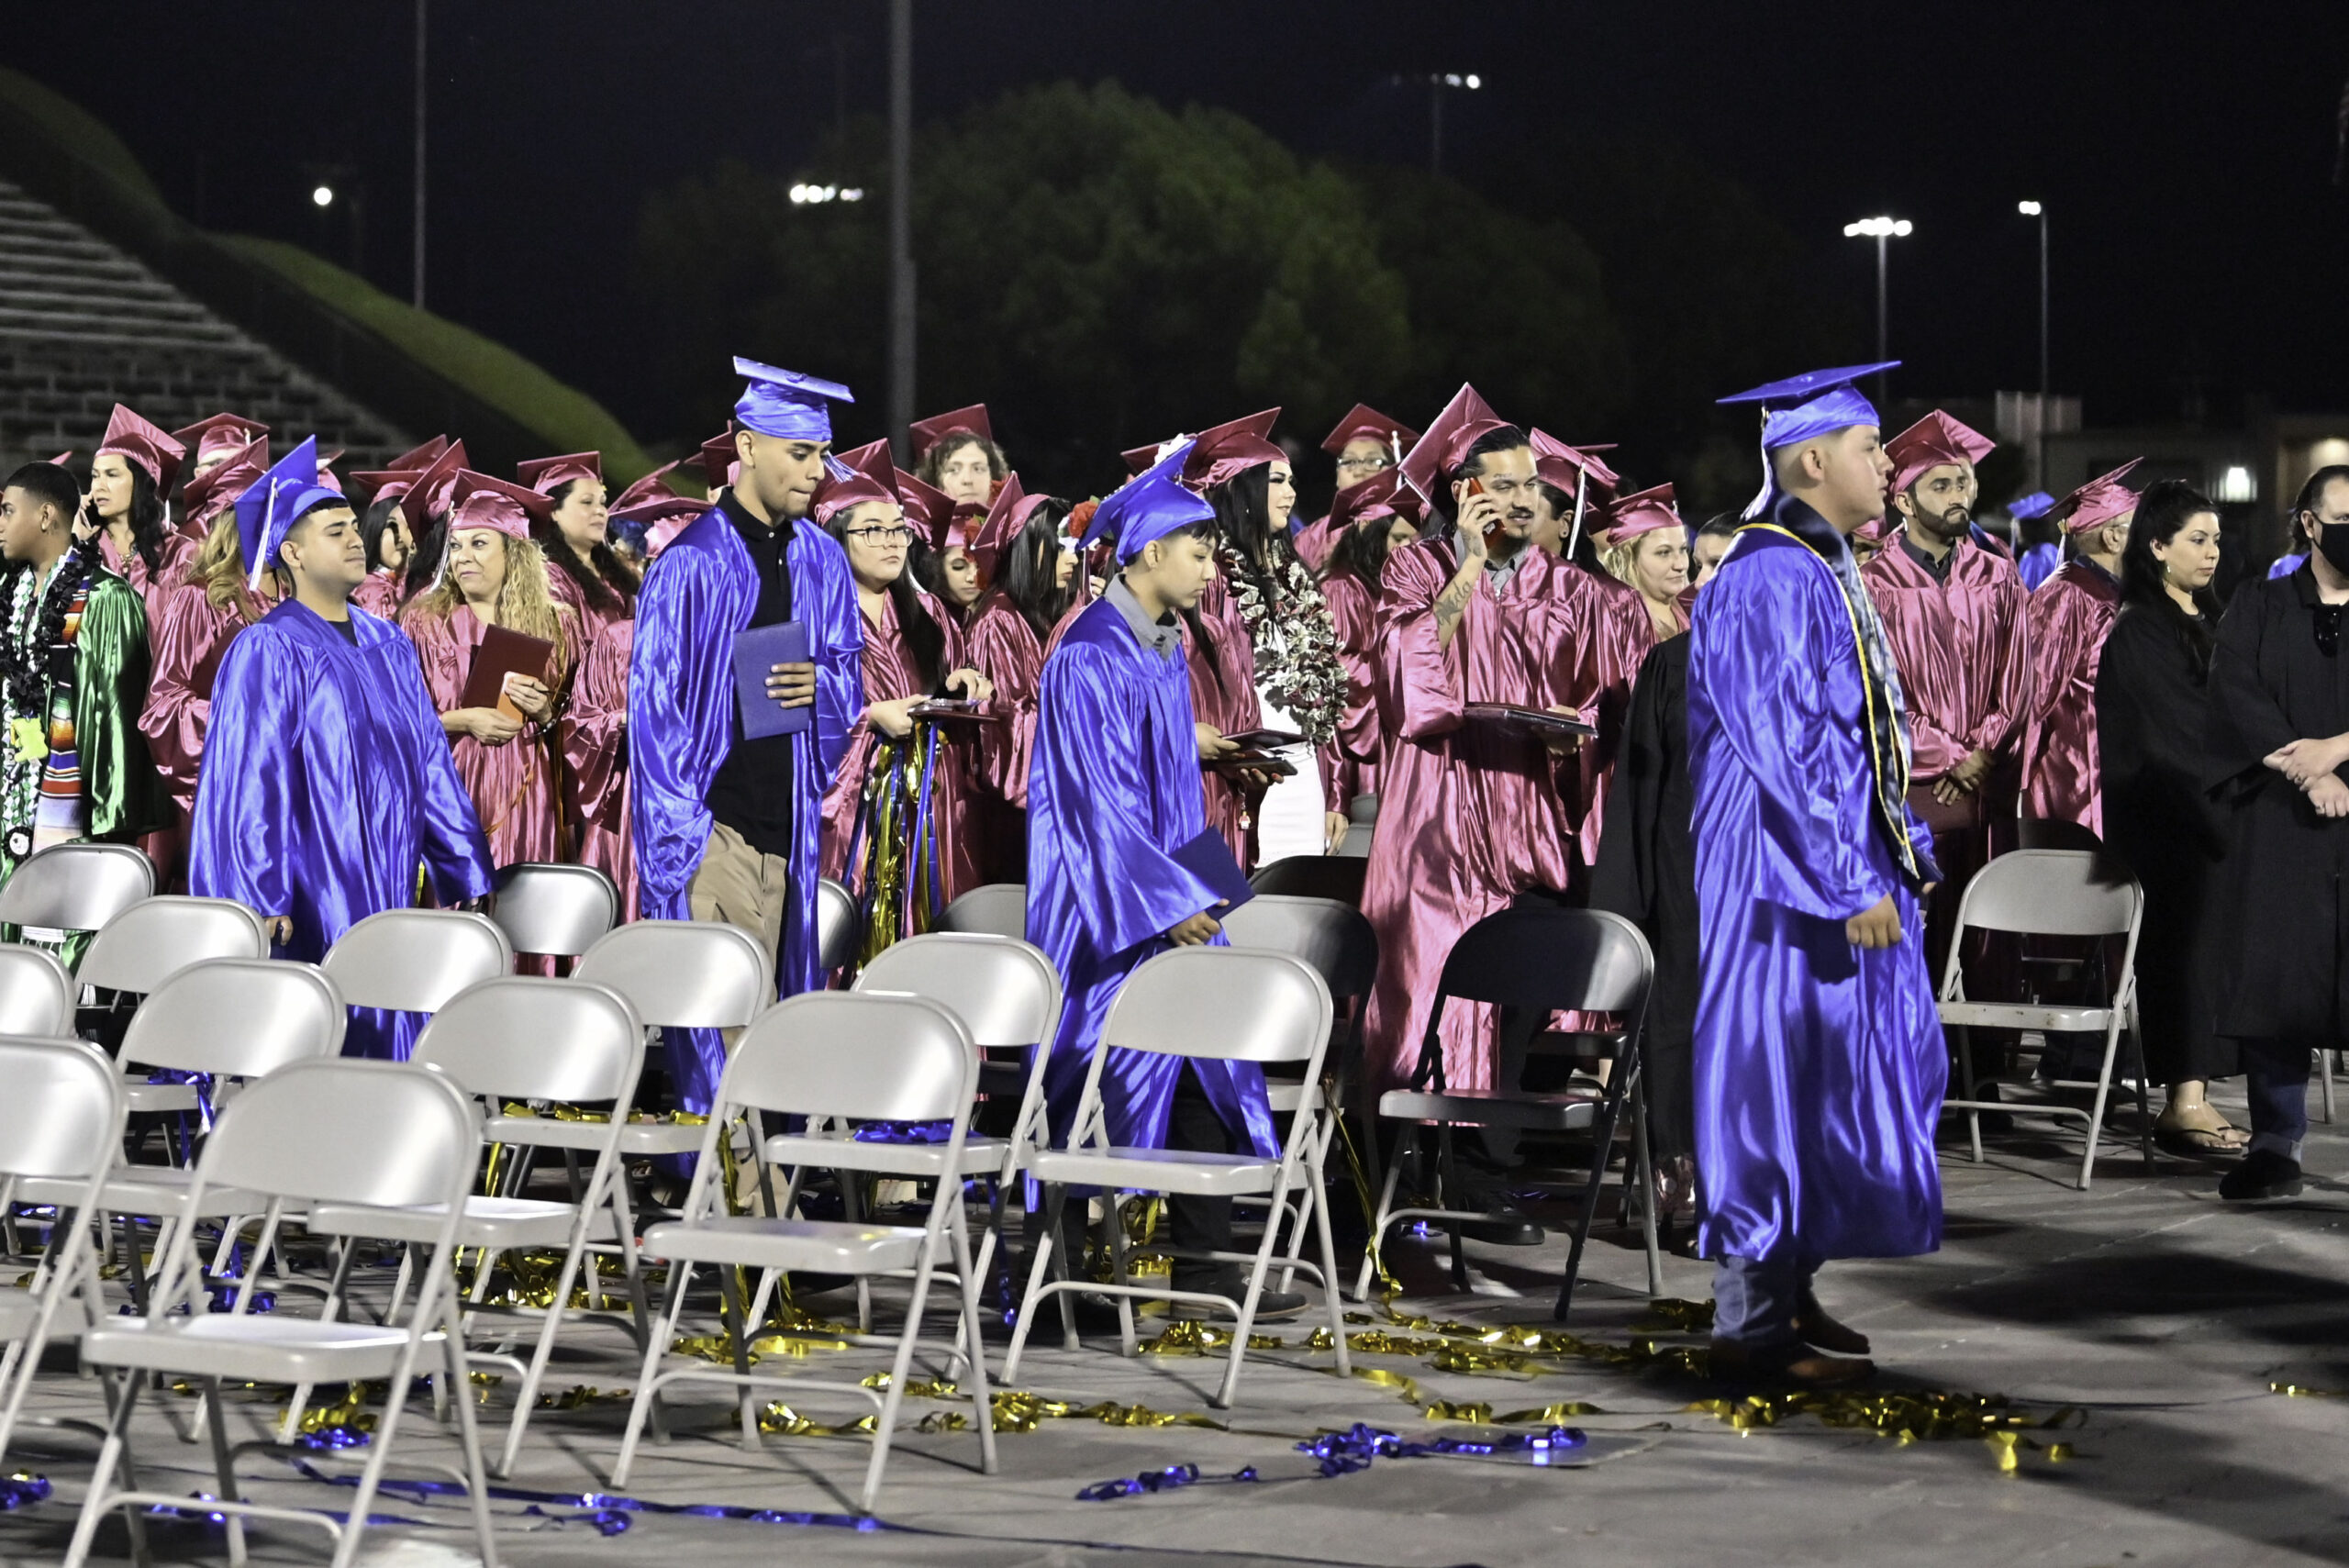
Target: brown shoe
{"points": [[1730, 1361], [1814, 1327]]}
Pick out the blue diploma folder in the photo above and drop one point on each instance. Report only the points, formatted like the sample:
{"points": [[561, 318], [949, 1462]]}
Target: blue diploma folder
{"points": [[757, 652], [1208, 857]]}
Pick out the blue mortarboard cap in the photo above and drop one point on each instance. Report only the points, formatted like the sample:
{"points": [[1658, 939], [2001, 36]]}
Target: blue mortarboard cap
{"points": [[787, 404], [1150, 506], [268, 510], [1802, 407], [2035, 505]]}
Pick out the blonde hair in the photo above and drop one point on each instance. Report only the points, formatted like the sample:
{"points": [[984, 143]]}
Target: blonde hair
{"points": [[219, 568], [1622, 561], [524, 604]]}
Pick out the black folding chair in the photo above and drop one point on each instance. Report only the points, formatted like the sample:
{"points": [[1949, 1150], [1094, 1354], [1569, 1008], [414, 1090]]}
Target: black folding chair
{"points": [[1537, 959], [1314, 876]]}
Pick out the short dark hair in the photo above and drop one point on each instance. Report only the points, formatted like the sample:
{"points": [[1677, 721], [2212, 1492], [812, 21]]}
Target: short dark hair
{"points": [[1502, 439], [2310, 494], [50, 482], [1720, 524]]}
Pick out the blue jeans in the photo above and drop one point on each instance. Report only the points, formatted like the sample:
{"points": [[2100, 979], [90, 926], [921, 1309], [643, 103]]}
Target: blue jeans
{"points": [[2275, 1074], [1755, 1300]]}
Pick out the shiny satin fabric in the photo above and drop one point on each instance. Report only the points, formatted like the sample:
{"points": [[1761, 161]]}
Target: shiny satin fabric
{"points": [[379, 593], [2071, 615], [1004, 647], [513, 786], [889, 673], [173, 555], [681, 725], [1223, 693], [175, 718], [1314, 541], [1349, 764], [564, 589], [595, 759], [1620, 634], [1820, 1066], [1113, 791], [326, 782], [1469, 813], [123, 795], [1964, 652]]}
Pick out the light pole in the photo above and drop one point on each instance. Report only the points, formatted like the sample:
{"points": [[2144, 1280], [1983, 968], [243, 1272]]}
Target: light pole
{"points": [[417, 262], [901, 223], [1440, 81], [1880, 230], [2046, 384]]}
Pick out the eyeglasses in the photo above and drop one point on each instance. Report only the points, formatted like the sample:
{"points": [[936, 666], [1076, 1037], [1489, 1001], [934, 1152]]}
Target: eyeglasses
{"points": [[880, 534], [1372, 463]]}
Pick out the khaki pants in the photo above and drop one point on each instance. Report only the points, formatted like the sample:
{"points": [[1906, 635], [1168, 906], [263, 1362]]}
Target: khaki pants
{"points": [[737, 885]]}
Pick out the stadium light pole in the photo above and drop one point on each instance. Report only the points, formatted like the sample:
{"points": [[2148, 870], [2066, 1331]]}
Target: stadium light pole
{"points": [[1437, 80], [901, 242], [417, 256], [2046, 382], [1882, 230]]}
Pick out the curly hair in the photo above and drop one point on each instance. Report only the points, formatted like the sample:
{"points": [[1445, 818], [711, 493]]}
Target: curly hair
{"points": [[524, 604], [219, 569], [954, 441]]}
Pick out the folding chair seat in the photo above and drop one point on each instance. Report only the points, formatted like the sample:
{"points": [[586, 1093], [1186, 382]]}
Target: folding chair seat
{"points": [[861, 1057], [154, 940], [1208, 1004], [1539, 960], [382, 1135], [676, 974], [997, 909], [554, 911], [523, 1037], [2055, 893]]}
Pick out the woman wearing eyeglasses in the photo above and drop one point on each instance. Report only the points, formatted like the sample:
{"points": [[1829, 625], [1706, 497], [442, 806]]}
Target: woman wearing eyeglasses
{"points": [[1025, 551], [1366, 444], [893, 816]]}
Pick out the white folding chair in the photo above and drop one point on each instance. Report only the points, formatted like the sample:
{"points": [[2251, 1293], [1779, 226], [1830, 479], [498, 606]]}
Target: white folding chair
{"points": [[680, 975], [36, 993], [839, 926], [230, 1018], [1210, 1004], [1008, 995], [413, 961], [379, 1134], [2054, 893], [61, 1121], [74, 887], [518, 1038], [1338, 941], [997, 909], [835, 1054], [555, 911], [154, 940]]}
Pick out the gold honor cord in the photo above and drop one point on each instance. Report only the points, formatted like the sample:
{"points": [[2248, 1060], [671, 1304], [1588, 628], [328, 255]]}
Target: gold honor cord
{"points": [[1899, 822]]}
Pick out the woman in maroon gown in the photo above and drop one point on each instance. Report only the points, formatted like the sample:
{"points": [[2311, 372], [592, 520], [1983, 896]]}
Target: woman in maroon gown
{"points": [[2071, 614], [582, 569], [1031, 567], [1367, 523], [130, 476], [493, 575]]}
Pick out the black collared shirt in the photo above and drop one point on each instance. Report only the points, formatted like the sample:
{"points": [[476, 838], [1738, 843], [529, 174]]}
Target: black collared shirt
{"points": [[750, 791], [1937, 570]]}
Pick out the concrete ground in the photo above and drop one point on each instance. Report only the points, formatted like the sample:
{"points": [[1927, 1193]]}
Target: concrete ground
{"points": [[2158, 1316]]}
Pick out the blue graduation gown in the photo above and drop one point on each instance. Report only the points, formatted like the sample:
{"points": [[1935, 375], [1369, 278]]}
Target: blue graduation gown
{"points": [[326, 780], [1112, 789], [682, 724], [1820, 1066]]}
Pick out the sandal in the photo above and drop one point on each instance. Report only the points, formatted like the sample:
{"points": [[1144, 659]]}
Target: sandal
{"points": [[2201, 1142]]}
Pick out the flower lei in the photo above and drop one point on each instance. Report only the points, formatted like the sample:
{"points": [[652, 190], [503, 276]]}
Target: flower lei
{"points": [[1296, 641]]}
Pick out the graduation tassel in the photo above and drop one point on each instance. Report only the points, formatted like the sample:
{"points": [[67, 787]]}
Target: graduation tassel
{"points": [[1582, 492]]}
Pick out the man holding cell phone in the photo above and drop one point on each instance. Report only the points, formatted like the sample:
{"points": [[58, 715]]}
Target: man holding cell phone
{"points": [[728, 765]]}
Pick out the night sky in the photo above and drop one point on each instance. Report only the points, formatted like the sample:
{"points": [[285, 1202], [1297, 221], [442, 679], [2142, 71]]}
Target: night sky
{"points": [[2185, 152]]}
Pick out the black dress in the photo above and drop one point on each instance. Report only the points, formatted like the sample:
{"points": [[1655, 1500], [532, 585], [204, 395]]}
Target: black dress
{"points": [[2152, 698], [1647, 873], [2277, 913]]}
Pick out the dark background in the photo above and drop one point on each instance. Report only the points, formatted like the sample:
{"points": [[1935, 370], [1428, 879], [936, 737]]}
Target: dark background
{"points": [[2186, 154]]}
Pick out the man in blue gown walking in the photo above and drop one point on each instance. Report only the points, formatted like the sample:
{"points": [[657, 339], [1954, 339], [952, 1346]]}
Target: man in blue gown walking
{"points": [[1820, 1066]]}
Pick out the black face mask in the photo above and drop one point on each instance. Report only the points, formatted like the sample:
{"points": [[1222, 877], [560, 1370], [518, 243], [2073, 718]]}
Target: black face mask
{"points": [[2332, 540]]}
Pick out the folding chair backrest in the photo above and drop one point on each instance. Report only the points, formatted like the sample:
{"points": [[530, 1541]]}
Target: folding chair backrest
{"points": [[1314, 876], [527, 1038], [76, 887], [2055, 893], [238, 1018], [36, 994], [1005, 992], [156, 938], [855, 1054], [557, 910], [414, 959], [1230, 1003], [385, 1134], [1547, 958], [998, 909], [61, 1117], [1335, 938], [686, 974], [840, 925]]}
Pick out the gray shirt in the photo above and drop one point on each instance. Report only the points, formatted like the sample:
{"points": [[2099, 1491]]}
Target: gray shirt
{"points": [[1497, 572], [1158, 636]]}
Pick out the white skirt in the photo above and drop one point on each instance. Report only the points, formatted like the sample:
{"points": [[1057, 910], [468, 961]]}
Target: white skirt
{"points": [[1288, 821]]}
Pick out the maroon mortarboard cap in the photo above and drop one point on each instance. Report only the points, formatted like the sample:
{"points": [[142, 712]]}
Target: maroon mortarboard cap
{"points": [[2099, 501], [1139, 458], [213, 492], [480, 501], [1642, 513], [1363, 422], [547, 474], [135, 439], [221, 435], [1876, 530], [420, 458], [61, 459], [1434, 456], [867, 473], [653, 487], [327, 477], [927, 433], [1933, 442], [434, 488], [1007, 515], [1383, 495], [719, 461], [1223, 452], [660, 512], [946, 523], [391, 481], [1569, 467]]}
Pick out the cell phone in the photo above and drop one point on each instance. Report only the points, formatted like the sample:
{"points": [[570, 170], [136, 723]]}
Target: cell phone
{"points": [[1494, 532]]}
